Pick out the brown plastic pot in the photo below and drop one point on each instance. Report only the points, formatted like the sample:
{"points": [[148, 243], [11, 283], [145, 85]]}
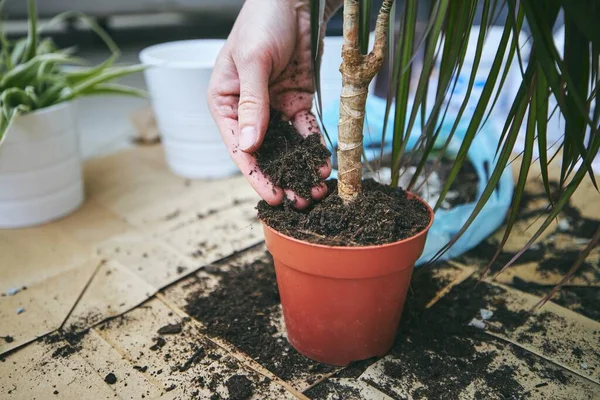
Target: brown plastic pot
{"points": [[343, 304]]}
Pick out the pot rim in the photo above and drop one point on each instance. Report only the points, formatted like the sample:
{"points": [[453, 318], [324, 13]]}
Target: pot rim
{"points": [[364, 248], [47, 109], [149, 57]]}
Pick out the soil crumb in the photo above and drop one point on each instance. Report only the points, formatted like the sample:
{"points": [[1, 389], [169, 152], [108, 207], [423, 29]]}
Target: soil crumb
{"points": [[170, 329], [111, 379], [240, 387], [290, 160], [8, 338], [380, 214]]}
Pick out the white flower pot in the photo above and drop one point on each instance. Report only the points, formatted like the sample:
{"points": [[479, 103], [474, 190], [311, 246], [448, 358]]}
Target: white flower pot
{"points": [[40, 168], [177, 79]]}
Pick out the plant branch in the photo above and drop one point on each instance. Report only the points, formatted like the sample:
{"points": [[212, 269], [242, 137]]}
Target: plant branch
{"points": [[357, 72]]}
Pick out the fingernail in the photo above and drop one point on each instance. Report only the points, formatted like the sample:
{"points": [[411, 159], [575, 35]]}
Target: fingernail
{"points": [[248, 137]]}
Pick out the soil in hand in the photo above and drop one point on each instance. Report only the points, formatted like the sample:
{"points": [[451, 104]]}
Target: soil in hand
{"points": [[290, 160], [380, 214]]}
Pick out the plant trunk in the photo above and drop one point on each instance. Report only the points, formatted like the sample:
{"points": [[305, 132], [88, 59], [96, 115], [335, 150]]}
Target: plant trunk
{"points": [[357, 72], [350, 137]]}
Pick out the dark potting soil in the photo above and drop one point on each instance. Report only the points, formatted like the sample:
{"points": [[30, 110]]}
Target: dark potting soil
{"points": [[583, 300], [290, 160], [110, 378], [437, 347], [72, 335], [239, 387], [170, 329], [242, 311], [380, 214], [8, 338]]}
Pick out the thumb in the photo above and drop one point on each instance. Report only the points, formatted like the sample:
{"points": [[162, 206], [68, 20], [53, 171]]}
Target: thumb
{"points": [[253, 107]]}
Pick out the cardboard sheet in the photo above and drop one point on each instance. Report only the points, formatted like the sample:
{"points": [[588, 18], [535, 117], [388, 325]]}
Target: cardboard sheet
{"points": [[132, 237]]}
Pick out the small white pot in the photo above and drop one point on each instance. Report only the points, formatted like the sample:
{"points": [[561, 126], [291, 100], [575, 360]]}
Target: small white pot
{"points": [[40, 168], [177, 79]]}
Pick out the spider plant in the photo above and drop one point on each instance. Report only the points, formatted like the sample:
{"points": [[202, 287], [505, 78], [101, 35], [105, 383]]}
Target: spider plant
{"points": [[35, 73], [572, 80]]}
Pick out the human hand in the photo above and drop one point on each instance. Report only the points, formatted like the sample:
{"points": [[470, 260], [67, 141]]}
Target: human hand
{"points": [[265, 63]]}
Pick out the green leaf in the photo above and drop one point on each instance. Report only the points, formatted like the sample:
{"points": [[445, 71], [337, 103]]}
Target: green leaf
{"points": [[97, 29], [77, 76], [480, 109], [501, 163], [22, 74], [541, 93], [18, 51], [14, 97], [486, 8], [105, 76], [457, 28], [364, 25], [317, 14], [52, 94], [522, 180], [114, 89], [32, 34], [403, 73]]}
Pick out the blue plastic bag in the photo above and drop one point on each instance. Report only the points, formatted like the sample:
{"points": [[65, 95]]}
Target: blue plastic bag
{"points": [[447, 222]]}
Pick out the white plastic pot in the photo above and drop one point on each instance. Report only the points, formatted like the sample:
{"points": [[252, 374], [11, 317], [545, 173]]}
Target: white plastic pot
{"points": [[40, 168], [177, 79]]}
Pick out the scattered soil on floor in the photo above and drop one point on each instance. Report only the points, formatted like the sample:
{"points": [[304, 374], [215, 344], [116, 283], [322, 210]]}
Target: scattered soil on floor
{"points": [[438, 348], [290, 160], [435, 346], [380, 214], [244, 310], [583, 300], [334, 391], [72, 335], [550, 253], [239, 387]]}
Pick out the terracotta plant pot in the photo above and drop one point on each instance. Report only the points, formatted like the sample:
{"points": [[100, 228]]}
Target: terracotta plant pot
{"points": [[343, 304]]}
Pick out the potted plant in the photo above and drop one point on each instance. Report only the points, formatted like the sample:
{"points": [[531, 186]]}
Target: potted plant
{"points": [[40, 167], [342, 299]]}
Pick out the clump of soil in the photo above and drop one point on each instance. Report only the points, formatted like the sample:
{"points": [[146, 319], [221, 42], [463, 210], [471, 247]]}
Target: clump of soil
{"points": [[380, 214], [170, 329], [110, 378], [239, 387], [290, 160]]}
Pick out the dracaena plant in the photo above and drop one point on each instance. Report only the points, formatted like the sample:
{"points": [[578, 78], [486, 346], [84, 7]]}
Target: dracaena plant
{"points": [[572, 80], [35, 73]]}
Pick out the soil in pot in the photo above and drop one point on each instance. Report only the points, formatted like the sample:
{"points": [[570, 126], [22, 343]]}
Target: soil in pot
{"points": [[379, 215]]}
